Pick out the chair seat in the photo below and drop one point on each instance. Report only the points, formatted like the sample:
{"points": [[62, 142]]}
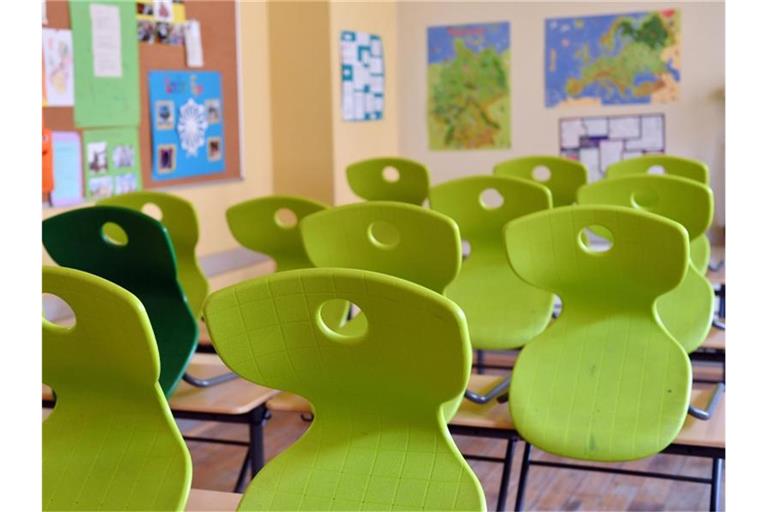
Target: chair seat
{"points": [[236, 396], [203, 499]]}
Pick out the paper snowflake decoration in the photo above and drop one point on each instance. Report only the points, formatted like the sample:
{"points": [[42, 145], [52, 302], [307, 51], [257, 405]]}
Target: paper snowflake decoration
{"points": [[191, 127]]}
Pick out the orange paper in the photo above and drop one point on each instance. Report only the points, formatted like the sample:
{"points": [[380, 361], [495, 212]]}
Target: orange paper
{"points": [[47, 162]]}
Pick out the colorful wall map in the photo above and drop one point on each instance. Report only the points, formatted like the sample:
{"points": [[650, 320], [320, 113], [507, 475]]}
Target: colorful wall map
{"points": [[468, 81], [612, 60]]}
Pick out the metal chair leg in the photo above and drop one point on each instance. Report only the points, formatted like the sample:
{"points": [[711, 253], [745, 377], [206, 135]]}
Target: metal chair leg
{"points": [[256, 438], [505, 474], [520, 498], [480, 365], [240, 485], [714, 495]]}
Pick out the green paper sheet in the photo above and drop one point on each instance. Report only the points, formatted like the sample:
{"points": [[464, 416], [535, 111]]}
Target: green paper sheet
{"points": [[106, 63], [111, 161]]}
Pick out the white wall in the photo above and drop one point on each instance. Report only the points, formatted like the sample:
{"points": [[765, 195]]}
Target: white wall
{"points": [[695, 124]]}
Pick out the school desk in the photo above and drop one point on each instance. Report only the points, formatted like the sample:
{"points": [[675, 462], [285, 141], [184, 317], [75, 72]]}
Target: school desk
{"points": [[204, 500]]}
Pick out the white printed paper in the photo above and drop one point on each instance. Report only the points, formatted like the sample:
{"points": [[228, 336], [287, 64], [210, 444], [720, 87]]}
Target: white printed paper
{"points": [[58, 71], [106, 41], [193, 43], [623, 127], [362, 76]]}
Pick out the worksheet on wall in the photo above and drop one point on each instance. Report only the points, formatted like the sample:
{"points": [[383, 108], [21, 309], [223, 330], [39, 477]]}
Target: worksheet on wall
{"points": [[599, 141], [362, 76]]}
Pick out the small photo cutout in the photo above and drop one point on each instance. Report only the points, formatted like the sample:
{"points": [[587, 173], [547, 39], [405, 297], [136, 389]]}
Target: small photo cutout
{"points": [[214, 148], [213, 111], [166, 158], [165, 114], [97, 157]]}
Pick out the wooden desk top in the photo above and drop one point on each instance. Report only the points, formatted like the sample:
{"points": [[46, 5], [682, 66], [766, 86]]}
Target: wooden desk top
{"points": [[204, 500], [710, 433], [233, 397], [715, 339]]}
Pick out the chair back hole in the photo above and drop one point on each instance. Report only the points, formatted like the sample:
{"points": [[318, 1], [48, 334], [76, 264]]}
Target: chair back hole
{"points": [[349, 331], [113, 234], [595, 239], [390, 174], [541, 173], [57, 311], [286, 218], [657, 170], [491, 199], [383, 235], [466, 248], [644, 199], [152, 210]]}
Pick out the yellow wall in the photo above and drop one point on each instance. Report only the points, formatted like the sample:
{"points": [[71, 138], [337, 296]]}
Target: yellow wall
{"points": [[301, 99], [353, 141], [211, 201], [695, 124]]}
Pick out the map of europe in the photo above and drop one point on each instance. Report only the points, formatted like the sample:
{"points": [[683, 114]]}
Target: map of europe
{"points": [[614, 59], [468, 82]]}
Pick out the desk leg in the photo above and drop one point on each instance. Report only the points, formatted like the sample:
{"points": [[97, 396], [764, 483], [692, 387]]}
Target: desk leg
{"points": [[717, 474], [256, 438], [520, 498], [505, 474], [480, 365], [240, 485]]}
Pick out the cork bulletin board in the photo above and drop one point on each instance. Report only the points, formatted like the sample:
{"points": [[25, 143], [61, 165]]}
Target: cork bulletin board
{"points": [[218, 22]]}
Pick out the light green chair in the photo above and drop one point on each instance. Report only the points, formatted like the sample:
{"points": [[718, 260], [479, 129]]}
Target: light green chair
{"points": [[561, 176], [110, 442], [503, 311], [408, 182], [179, 218], [673, 166], [687, 310], [606, 382], [257, 225], [379, 440]]}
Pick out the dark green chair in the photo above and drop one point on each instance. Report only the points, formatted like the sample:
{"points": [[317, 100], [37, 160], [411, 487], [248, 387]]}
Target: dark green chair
{"points": [[145, 265]]}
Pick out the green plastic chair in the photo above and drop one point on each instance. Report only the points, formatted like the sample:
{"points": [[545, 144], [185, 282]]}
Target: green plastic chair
{"points": [[695, 170], [111, 442], [687, 310], [503, 311], [256, 225], [564, 178], [145, 265], [379, 440], [179, 218], [368, 179], [606, 382]]}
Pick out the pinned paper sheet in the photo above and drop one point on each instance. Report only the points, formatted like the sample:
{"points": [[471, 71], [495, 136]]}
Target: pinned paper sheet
{"points": [[106, 44], [58, 72], [67, 169], [193, 43]]}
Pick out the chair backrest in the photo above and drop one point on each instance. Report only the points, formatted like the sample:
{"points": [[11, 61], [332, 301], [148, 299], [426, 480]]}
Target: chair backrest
{"points": [[145, 265], [562, 176], [502, 310], [687, 310], [672, 165], [257, 225], [606, 381], [402, 240], [111, 442], [179, 218], [389, 179], [378, 439]]}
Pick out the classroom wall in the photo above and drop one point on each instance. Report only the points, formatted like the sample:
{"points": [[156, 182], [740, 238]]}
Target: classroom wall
{"points": [[211, 201], [353, 141], [695, 124]]}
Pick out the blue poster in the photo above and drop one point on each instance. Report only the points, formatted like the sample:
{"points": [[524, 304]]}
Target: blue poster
{"points": [[186, 111]]}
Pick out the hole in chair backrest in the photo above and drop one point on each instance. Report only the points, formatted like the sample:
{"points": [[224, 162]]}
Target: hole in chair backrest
{"points": [[490, 199], [57, 311], [541, 173], [383, 235], [595, 239], [113, 234], [644, 198], [152, 210], [466, 249], [286, 218], [390, 174], [346, 331], [657, 170]]}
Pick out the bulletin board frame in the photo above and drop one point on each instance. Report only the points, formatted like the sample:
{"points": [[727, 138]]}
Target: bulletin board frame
{"points": [[219, 26]]}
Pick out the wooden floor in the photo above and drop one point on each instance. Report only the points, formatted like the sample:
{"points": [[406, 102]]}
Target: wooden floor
{"points": [[216, 468]]}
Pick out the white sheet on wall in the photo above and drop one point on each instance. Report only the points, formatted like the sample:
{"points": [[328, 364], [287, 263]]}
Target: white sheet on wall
{"points": [[362, 76]]}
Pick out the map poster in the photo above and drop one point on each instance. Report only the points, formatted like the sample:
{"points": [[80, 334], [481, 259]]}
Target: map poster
{"points": [[613, 60], [468, 82], [362, 76], [187, 117], [600, 141]]}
